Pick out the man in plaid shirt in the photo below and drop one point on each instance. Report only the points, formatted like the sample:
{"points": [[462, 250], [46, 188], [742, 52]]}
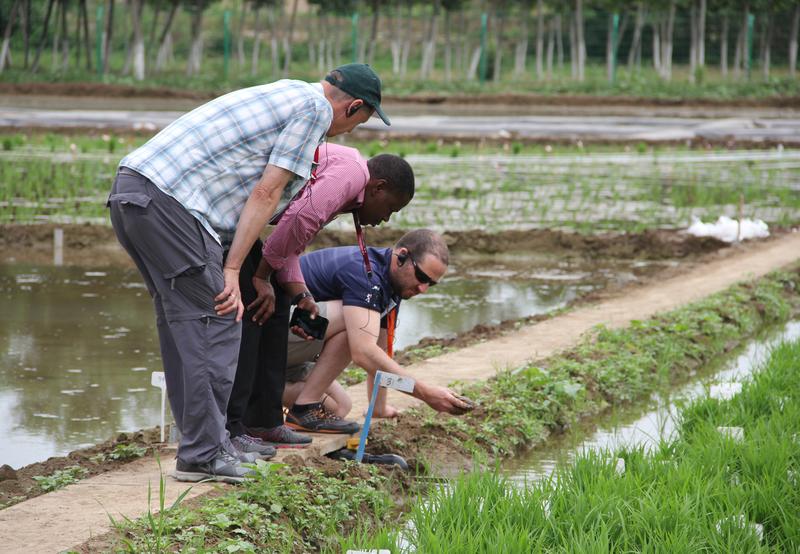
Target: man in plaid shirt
{"points": [[209, 182]]}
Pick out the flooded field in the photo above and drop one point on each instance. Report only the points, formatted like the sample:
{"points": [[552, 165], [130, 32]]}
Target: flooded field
{"points": [[645, 424], [77, 344], [628, 191]]}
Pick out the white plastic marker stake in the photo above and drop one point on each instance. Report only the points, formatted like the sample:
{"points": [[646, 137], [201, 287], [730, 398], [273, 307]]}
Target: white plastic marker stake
{"points": [[389, 381], [157, 380]]}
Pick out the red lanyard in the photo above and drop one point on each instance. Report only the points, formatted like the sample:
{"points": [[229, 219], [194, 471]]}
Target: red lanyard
{"points": [[391, 321], [361, 245]]}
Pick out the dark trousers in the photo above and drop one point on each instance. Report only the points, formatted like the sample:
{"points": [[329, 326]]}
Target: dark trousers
{"points": [[256, 398], [181, 264]]}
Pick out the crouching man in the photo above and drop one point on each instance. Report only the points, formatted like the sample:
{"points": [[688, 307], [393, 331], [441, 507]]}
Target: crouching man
{"points": [[362, 310]]}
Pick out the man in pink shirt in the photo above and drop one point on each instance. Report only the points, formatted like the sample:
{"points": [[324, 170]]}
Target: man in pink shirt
{"points": [[271, 280]]}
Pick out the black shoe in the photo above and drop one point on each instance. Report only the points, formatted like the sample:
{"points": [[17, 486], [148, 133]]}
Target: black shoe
{"points": [[254, 446], [279, 437], [315, 418], [223, 467], [383, 459]]}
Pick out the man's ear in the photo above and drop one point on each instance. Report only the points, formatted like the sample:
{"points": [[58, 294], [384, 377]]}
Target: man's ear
{"points": [[354, 106]]}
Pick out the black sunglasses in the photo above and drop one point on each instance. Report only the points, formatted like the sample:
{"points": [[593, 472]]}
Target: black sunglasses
{"points": [[421, 276]]}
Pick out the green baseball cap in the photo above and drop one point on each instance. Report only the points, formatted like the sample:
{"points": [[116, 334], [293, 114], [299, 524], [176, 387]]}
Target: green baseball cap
{"points": [[359, 81]]}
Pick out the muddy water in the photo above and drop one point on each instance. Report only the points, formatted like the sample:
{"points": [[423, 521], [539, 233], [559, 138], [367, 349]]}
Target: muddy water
{"points": [[77, 345], [645, 424]]}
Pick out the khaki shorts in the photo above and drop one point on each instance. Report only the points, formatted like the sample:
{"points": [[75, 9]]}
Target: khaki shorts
{"points": [[301, 354]]}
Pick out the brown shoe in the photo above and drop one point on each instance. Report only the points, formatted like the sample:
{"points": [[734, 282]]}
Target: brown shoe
{"points": [[315, 418]]}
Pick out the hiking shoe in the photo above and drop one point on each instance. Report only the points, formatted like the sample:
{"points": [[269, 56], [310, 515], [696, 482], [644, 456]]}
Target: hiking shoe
{"points": [[279, 437], [252, 445], [315, 418], [223, 467]]}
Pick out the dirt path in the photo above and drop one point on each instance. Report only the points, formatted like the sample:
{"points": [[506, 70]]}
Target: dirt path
{"points": [[60, 520]]}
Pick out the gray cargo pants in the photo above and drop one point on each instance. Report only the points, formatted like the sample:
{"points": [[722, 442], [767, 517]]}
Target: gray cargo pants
{"points": [[182, 268]]}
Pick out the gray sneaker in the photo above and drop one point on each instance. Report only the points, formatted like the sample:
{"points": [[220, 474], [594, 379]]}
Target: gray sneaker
{"points": [[252, 445], [223, 467]]}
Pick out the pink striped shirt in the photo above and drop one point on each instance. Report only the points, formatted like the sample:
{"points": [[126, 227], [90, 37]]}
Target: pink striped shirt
{"points": [[342, 176]]}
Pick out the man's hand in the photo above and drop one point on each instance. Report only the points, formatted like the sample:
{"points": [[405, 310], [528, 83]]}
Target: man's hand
{"points": [[443, 399], [229, 299], [309, 305], [264, 304]]}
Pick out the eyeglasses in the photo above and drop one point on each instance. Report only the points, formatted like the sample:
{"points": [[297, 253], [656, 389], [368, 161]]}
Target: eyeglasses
{"points": [[421, 276]]}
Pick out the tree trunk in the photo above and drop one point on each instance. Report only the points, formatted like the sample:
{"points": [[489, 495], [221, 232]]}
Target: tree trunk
{"points": [[240, 34], [56, 36], [43, 38], [274, 43], [165, 39], [498, 47], [573, 48], [395, 42], [636, 41], [79, 36], [255, 53], [429, 48], [138, 40], [25, 13], [559, 43], [769, 27], [472, 70], [64, 36], [406, 48], [580, 39], [693, 33], [667, 41], [4, 51], [373, 33], [551, 44], [539, 39], [108, 35], [521, 50], [287, 55], [448, 49], [793, 41], [723, 46], [701, 35], [195, 60], [86, 37], [657, 43]]}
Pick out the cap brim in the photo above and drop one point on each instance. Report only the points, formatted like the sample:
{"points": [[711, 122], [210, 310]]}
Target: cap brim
{"points": [[382, 115]]}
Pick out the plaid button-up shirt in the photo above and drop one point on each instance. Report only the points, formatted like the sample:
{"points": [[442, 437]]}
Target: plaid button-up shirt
{"points": [[211, 158]]}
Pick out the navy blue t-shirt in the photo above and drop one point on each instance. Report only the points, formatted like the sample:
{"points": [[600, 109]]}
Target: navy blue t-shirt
{"points": [[339, 274]]}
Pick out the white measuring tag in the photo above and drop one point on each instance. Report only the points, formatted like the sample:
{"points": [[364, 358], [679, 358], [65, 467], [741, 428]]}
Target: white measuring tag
{"points": [[157, 380], [397, 382]]}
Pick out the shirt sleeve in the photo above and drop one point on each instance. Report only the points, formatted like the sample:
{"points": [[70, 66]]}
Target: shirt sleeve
{"points": [[294, 148], [336, 189]]}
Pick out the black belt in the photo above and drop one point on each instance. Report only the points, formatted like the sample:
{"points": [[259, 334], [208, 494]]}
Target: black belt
{"points": [[129, 171]]}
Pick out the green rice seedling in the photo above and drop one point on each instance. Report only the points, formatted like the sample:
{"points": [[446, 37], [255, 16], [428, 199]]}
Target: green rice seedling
{"points": [[678, 497]]}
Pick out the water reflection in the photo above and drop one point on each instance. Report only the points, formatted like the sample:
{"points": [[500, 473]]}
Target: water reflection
{"points": [[644, 425], [77, 345]]}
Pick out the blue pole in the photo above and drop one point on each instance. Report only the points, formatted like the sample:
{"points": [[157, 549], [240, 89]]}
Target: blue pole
{"points": [[368, 419]]}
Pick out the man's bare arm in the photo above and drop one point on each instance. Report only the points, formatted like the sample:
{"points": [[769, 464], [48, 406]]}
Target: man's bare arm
{"points": [[256, 213], [363, 328]]}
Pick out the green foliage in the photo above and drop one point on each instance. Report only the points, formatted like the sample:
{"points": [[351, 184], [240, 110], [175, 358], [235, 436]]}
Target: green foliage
{"points": [[697, 492], [278, 510], [60, 478]]}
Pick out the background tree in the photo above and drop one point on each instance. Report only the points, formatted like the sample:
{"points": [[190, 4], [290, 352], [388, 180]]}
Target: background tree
{"points": [[793, 39]]}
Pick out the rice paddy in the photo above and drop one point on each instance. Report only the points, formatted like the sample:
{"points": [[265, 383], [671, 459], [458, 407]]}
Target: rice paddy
{"points": [[706, 489], [50, 178]]}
